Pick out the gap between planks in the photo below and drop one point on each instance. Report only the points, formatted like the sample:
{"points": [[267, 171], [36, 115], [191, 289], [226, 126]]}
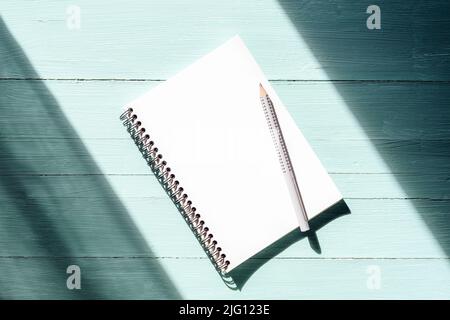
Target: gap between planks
{"points": [[351, 81], [206, 258]]}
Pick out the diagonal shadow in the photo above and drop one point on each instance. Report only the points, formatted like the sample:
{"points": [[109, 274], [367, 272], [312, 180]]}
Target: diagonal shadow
{"points": [[243, 272], [407, 121], [44, 227]]}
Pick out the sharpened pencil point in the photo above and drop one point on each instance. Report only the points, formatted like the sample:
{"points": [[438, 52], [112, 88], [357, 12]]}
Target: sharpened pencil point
{"points": [[262, 92]]}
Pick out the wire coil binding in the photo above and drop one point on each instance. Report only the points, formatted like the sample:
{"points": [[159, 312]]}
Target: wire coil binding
{"points": [[173, 188]]}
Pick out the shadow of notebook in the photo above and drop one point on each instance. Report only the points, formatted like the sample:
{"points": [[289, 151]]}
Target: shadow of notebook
{"points": [[209, 127]]}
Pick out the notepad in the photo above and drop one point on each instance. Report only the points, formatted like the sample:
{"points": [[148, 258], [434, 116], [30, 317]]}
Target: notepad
{"points": [[205, 137]]}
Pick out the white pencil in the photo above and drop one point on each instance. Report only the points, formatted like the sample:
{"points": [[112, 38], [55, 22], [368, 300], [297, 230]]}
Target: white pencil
{"points": [[284, 159]]}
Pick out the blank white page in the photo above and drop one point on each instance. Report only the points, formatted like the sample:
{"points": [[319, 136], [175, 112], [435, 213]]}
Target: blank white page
{"points": [[209, 124]]}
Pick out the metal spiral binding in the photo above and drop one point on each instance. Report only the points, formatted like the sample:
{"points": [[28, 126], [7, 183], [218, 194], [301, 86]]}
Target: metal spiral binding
{"points": [[172, 186]]}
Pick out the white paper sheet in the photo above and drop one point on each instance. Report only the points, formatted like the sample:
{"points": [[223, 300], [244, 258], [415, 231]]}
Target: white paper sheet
{"points": [[208, 123]]}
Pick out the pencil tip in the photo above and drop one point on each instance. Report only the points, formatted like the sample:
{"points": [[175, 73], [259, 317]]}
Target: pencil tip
{"points": [[262, 92]]}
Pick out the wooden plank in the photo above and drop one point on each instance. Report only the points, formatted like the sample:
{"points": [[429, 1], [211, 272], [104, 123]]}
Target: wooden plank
{"points": [[102, 224], [290, 39], [68, 156], [38, 278], [352, 185], [324, 110], [407, 134], [126, 278]]}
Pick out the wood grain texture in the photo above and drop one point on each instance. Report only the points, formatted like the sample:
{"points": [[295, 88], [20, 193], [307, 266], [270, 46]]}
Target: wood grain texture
{"points": [[385, 108], [87, 226], [290, 39], [74, 189], [138, 278], [120, 157], [87, 112]]}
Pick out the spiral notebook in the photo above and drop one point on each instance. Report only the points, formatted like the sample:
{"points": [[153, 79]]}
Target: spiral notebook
{"points": [[205, 136]]}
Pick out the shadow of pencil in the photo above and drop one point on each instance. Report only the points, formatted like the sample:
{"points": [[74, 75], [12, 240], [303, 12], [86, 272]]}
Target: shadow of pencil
{"points": [[242, 273], [237, 278]]}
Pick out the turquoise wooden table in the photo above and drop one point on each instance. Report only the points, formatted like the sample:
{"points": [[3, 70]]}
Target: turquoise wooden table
{"points": [[374, 105]]}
